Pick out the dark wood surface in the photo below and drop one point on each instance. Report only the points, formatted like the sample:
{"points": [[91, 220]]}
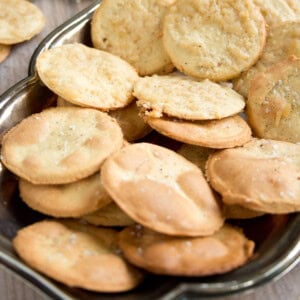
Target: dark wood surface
{"points": [[15, 68]]}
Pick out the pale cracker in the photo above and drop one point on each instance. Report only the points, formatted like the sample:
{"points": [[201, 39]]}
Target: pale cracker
{"points": [[273, 106], [19, 21], [60, 145], [214, 39], [282, 42], [87, 77], [133, 31], [185, 98], [77, 255], [161, 190]]}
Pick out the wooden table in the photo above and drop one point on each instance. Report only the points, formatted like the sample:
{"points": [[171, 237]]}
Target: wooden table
{"points": [[15, 68]]}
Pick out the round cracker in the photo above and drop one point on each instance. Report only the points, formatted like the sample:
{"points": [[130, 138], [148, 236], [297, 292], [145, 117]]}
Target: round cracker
{"points": [[110, 215], [133, 31], [273, 106], [195, 154], [282, 42], [4, 52], [240, 212], [77, 255], [87, 77], [222, 252], [225, 133], [132, 125], [161, 190], [214, 39], [60, 145], [262, 175], [19, 21], [185, 98], [276, 12], [67, 200]]}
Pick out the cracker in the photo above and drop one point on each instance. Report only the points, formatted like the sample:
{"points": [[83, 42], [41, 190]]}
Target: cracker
{"points": [[276, 12], [273, 106], [214, 39], [4, 52], [262, 175], [77, 255], [240, 212], [69, 200], [161, 190], [133, 31], [282, 42], [19, 21], [195, 154], [225, 133], [87, 77], [62, 102], [132, 125], [185, 98], [110, 215], [222, 252], [60, 145]]}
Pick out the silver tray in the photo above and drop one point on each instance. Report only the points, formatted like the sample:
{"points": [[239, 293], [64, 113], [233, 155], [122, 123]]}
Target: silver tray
{"points": [[277, 237]]}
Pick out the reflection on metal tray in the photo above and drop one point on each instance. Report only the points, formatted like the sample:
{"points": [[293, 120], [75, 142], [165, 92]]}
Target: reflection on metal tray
{"points": [[277, 237]]}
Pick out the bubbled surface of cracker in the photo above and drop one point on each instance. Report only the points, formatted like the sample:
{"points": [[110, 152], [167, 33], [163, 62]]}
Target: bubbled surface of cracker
{"points": [[273, 106], [224, 133], [77, 255], [214, 39], [110, 215], [161, 190], [282, 41], [219, 253], [60, 145], [87, 77], [4, 52], [19, 21], [65, 200], [262, 175], [240, 212], [279, 11], [133, 31], [195, 154], [185, 98]]}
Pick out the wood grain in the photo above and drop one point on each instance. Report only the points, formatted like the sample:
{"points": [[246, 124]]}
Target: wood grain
{"points": [[15, 68]]}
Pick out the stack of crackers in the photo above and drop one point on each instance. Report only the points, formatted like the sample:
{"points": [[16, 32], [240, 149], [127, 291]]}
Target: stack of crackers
{"points": [[20, 21], [85, 159]]}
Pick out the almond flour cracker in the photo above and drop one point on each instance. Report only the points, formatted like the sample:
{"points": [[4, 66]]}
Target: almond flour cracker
{"points": [[77, 255], [214, 39], [161, 190], [87, 77], [60, 145], [133, 31]]}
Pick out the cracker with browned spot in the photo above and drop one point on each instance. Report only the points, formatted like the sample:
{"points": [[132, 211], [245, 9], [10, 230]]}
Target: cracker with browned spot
{"points": [[219, 253], [77, 255], [60, 145], [65, 200], [224, 133], [161, 190], [262, 175]]}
